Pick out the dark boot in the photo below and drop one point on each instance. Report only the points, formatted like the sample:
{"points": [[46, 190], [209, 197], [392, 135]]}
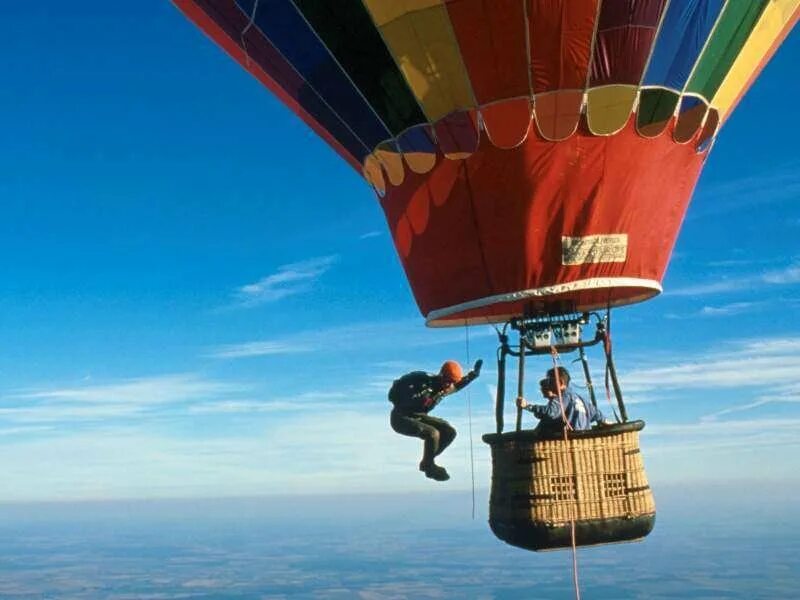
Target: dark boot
{"points": [[434, 472]]}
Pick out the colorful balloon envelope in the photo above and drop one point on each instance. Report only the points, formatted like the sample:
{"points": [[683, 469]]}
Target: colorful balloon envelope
{"points": [[530, 155]]}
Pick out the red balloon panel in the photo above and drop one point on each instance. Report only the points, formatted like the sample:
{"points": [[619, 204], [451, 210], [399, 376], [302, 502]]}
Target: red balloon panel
{"points": [[573, 225]]}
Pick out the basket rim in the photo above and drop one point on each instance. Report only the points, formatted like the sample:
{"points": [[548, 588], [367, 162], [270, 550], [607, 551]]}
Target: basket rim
{"points": [[529, 435]]}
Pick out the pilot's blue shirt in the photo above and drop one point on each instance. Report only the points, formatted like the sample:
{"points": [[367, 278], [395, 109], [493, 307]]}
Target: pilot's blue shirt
{"points": [[580, 414]]}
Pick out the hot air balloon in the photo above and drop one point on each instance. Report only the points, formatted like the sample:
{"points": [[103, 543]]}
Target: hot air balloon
{"points": [[534, 160]]}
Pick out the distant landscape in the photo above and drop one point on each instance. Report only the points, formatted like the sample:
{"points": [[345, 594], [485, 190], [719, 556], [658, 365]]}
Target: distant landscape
{"points": [[708, 543]]}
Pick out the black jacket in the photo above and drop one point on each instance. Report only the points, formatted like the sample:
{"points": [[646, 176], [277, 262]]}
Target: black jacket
{"points": [[420, 392]]}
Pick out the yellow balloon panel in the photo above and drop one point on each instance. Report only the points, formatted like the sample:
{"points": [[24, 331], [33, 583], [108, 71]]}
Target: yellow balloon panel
{"points": [[420, 37], [384, 12], [609, 107], [772, 24]]}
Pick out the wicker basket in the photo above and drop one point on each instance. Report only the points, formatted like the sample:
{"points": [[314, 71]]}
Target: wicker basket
{"points": [[541, 484]]}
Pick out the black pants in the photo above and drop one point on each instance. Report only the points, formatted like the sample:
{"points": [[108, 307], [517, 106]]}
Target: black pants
{"points": [[437, 433]]}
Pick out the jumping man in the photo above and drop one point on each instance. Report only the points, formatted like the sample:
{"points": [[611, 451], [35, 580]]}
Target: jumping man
{"points": [[414, 395]]}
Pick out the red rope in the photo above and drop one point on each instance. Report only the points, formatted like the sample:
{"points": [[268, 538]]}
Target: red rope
{"points": [[607, 350]]}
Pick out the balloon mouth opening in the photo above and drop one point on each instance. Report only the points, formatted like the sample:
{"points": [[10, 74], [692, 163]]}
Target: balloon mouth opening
{"points": [[584, 295]]}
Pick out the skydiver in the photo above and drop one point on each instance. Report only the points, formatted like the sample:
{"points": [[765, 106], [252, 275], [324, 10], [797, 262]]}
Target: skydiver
{"points": [[579, 413], [414, 395]]}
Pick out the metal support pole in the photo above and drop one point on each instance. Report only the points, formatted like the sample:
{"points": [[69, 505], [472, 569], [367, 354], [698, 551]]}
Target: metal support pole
{"points": [[617, 390], [501, 383], [521, 377], [587, 375], [615, 383]]}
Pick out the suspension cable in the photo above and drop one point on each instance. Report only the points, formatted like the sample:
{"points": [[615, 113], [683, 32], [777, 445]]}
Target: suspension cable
{"points": [[469, 420], [566, 429]]}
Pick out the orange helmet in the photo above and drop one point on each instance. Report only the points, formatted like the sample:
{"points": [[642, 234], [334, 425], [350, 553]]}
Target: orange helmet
{"points": [[451, 371]]}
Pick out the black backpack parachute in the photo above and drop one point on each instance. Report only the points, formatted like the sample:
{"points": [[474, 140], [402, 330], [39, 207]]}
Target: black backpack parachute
{"points": [[409, 392]]}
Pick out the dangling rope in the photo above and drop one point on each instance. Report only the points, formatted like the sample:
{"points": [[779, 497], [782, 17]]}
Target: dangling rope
{"points": [[469, 419], [567, 428]]}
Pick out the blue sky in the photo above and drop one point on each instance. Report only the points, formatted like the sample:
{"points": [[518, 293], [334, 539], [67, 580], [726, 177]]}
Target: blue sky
{"points": [[199, 298]]}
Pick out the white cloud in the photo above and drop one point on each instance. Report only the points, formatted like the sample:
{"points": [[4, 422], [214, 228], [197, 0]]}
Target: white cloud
{"points": [[723, 310], [777, 185], [299, 402], [771, 346], [176, 397], [243, 406], [289, 280], [786, 276], [717, 372], [781, 394], [715, 287], [70, 413], [263, 348], [340, 449], [754, 365], [138, 391], [370, 234], [405, 334], [723, 449], [742, 442], [335, 450], [730, 429], [125, 400], [738, 262], [325, 441], [25, 430]]}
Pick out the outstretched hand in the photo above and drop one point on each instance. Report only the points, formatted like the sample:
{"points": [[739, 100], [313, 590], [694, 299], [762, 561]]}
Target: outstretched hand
{"points": [[521, 403], [477, 368]]}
